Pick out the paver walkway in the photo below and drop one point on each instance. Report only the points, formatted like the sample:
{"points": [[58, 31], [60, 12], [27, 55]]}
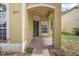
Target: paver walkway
{"points": [[40, 45], [40, 52]]}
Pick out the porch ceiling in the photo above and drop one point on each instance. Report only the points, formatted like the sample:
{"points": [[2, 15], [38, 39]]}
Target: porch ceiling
{"points": [[40, 10]]}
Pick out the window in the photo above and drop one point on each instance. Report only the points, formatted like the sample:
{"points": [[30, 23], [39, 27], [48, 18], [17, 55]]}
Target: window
{"points": [[2, 23], [44, 26], [36, 17], [2, 8]]}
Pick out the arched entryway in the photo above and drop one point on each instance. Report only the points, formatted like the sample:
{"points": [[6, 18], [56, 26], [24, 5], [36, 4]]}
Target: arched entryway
{"points": [[41, 27], [42, 12]]}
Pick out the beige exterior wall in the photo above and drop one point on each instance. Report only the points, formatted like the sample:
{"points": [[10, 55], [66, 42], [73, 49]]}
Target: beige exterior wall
{"points": [[15, 23], [57, 26], [70, 21], [30, 29]]}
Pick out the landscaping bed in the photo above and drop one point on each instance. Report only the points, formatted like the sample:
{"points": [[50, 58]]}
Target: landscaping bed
{"points": [[56, 52], [10, 53], [28, 52]]}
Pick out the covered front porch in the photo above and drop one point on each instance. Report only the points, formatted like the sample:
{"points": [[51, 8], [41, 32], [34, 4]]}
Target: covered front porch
{"points": [[40, 26], [41, 19]]}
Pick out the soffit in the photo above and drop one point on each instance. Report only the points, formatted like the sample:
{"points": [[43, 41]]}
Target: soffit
{"points": [[40, 10]]}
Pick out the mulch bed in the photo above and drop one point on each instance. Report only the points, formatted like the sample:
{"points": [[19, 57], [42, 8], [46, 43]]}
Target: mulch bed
{"points": [[10, 53], [56, 52]]}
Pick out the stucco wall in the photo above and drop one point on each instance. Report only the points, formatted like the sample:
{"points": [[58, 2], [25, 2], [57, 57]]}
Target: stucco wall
{"points": [[70, 21], [51, 17], [30, 27], [15, 22]]}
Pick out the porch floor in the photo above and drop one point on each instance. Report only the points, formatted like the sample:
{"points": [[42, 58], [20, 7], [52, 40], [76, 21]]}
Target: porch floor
{"points": [[41, 44]]}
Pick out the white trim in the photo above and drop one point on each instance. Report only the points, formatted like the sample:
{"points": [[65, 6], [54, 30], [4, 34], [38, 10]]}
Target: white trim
{"points": [[23, 26], [37, 5], [7, 15]]}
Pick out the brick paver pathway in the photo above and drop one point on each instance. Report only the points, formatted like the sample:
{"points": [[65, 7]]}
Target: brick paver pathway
{"points": [[40, 45]]}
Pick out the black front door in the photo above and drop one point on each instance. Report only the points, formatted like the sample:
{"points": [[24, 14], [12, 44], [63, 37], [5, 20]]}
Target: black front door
{"points": [[35, 28]]}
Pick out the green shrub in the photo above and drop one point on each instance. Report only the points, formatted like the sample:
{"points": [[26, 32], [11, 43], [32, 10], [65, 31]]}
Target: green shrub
{"points": [[29, 50]]}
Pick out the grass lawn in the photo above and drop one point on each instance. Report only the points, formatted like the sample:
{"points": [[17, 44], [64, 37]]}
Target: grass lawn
{"points": [[69, 36]]}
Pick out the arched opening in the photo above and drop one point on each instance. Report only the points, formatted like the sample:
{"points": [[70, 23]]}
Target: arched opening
{"points": [[42, 25]]}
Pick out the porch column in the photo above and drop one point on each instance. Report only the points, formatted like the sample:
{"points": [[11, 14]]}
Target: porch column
{"points": [[28, 27], [40, 19], [25, 27], [57, 26]]}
